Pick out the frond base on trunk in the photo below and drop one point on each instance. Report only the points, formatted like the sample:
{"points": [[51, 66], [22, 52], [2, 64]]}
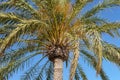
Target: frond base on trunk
{"points": [[58, 52]]}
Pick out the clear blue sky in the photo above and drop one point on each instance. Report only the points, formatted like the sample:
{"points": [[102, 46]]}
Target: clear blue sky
{"points": [[111, 14]]}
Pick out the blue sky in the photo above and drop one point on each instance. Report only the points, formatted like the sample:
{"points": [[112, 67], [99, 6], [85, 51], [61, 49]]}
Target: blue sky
{"points": [[112, 15]]}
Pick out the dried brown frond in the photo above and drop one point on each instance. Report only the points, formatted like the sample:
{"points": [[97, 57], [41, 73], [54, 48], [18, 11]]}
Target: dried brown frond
{"points": [[65, 9]]}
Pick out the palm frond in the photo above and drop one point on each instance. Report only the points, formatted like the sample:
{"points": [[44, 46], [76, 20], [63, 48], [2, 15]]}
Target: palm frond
{"points": [[77, 77], [77, 7], [110, 28], [19, 5], [111, 53], [97, 47], [9, 17], [23, 4], [103, 75], [40, 74], [6, 4], [101, 6], [31, 25], [105, 27], [13, 66], [15, 55], [95, 20], [49, 71], [74, 60], [30, 74], [81, 72], [6, 29], [92, 61]]}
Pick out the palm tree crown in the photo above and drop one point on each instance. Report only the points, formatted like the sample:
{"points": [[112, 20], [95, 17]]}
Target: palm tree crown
{"points": [[52, 28]]}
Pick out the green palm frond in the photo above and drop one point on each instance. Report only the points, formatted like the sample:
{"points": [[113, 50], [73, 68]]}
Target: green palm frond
{"points": [[30, 74], [15, 55], [6, 17], [19, 5], [111, 53], [5, 71], [101, 6], [81, 72], [16, 32], [7, 41], [103, 75], [6, 29], [96, 47], [40, 74], [92, 61], [102, 26], [77, 7], [49, 71], [5, 5], [94, 20], [77, 77], [23, 4], [110, 28], [105, 27]]}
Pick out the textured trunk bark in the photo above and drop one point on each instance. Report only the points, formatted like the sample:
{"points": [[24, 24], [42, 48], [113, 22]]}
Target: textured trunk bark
{"points": [[58, 67]]}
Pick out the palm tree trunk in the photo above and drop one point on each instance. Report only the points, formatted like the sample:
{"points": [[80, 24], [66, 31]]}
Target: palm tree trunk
{"points": [[58, 67]]}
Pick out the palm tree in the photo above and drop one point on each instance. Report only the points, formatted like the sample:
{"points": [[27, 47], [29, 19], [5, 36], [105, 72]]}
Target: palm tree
{"points": [[52, 29]]}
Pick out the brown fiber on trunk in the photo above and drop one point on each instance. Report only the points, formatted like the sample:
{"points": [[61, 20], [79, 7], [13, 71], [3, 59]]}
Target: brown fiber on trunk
{"points": [[58, 67]]}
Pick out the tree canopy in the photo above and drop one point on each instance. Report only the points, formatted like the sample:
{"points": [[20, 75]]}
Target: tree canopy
{"points": [[43, 27]]}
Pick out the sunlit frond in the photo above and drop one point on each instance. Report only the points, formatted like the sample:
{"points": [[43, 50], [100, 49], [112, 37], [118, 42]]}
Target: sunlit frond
{"points": [[101, 6], [7, 17], [77, 7], [16, 32], [74, 62], [96, 47], [111, 53], [110, 28], [21, 5]]}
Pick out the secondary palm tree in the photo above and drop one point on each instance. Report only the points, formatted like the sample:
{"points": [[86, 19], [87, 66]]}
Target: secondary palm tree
{"points": [[52, 28]]}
